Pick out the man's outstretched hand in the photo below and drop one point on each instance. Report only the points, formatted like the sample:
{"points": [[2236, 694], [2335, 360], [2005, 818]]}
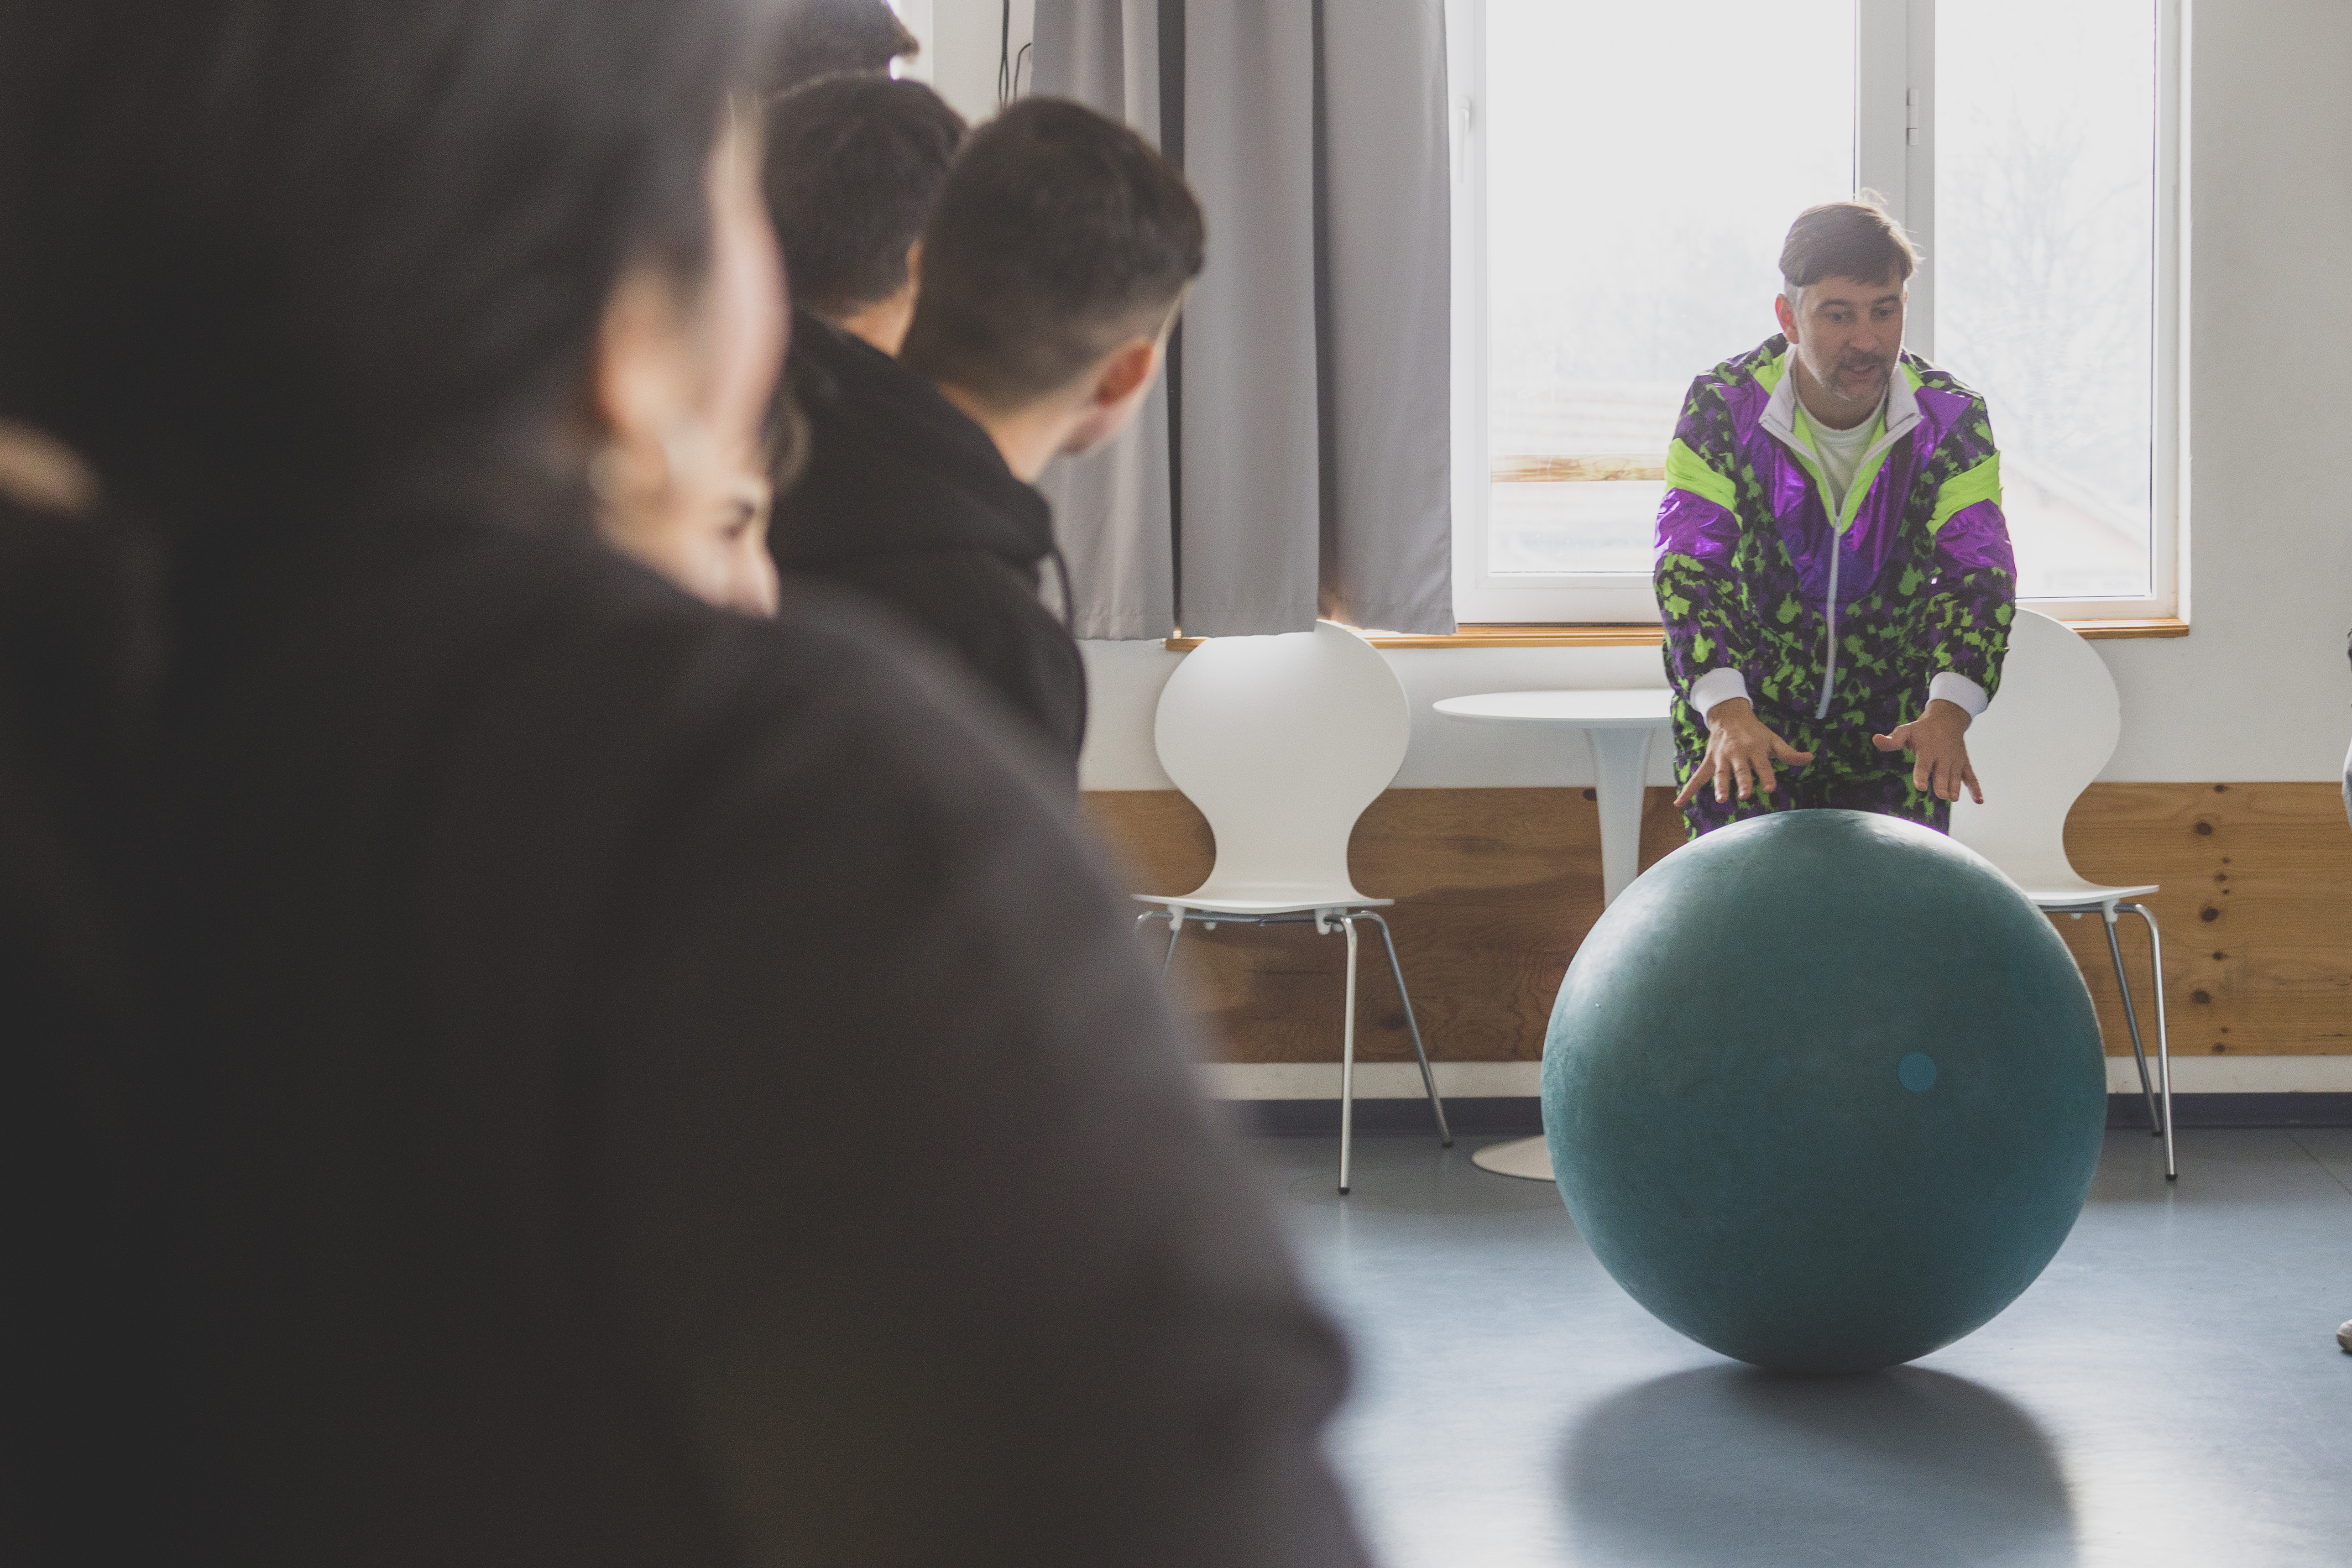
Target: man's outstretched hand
{"points": [[1937, 740], [1740, 753]]}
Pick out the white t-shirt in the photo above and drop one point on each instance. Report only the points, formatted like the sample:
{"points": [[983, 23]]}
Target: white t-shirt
{"points": [[1840, 454]]}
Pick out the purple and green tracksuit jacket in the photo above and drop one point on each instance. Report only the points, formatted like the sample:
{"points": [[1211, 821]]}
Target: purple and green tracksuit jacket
{"points": [[1841, 627]]}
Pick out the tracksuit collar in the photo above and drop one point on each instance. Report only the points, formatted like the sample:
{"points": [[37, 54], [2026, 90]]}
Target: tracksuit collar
{"points": [[1901, 410]]}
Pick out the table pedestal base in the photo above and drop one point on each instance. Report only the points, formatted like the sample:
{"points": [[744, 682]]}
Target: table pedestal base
{"points": [[1618, 725], [1522, 1157], [1619, 758]]}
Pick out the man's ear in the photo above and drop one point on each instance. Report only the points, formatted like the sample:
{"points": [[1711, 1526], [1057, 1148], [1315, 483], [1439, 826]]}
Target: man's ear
{"points": [[1127, 368], [1787, 315], [637, 386]]}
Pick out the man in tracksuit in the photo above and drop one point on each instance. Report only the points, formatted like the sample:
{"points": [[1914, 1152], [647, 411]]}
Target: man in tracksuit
{"points": [[1834, 569]]}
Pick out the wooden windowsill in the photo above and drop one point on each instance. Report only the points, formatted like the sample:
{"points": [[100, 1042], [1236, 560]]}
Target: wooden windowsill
{"points": [[1635, 634]]}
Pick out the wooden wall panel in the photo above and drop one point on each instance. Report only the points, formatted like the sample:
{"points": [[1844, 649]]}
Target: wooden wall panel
{"points": [[1495, 888], [2257, 908]]}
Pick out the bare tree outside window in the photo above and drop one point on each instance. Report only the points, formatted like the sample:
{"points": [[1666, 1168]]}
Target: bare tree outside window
{"points": [[2045, 134], [1642, 163]]}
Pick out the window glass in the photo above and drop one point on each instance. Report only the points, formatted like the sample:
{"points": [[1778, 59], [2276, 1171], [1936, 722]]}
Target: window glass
{"points": [[2045, 131], [1643, 165]]}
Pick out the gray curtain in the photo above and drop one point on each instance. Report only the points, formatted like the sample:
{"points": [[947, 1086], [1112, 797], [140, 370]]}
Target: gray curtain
{"points": [[1308, 420], [1113, 510]]}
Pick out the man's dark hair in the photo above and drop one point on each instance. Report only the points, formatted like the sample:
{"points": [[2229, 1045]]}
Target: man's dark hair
{"points": [[1059, 235], [810, 39], [1846, 239], [855, 165]]}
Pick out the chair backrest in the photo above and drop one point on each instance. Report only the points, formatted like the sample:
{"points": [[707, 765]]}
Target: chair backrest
{"points": [[2050, 729], [1282, 742]]}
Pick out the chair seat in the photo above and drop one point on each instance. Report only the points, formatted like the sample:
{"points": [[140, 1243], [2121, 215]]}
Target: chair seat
{"points": [[1244, 903], [2066, 893]]}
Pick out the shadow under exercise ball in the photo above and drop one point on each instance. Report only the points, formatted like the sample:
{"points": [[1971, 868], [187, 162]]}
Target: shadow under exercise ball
{"points": [[1823, 1091]]}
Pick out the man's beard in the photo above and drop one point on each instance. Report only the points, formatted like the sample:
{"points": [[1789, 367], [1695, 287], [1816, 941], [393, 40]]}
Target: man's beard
{"points": [[1865, 379]]}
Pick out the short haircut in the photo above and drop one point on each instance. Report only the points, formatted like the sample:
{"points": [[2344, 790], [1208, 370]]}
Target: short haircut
{"points": [[810, 39], [855, 165], [1060, 233], [1846, 239]]}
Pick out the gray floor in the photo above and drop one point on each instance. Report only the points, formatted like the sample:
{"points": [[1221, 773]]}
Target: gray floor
{"points": [[2169, 1392]]}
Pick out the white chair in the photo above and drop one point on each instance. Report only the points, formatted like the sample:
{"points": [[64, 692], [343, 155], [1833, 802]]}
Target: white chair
{"points": [[1282, 742], [2047, 734]]}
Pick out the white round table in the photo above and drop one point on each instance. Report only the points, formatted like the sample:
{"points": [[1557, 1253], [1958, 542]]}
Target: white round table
{"points": [[1619, 725]]}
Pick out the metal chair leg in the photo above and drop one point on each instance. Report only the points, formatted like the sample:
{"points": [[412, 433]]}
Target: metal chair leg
{"points": [[1348, 1060], [2156, 1125], [1175, 929], [2163, 1044], [1428, 1078]]}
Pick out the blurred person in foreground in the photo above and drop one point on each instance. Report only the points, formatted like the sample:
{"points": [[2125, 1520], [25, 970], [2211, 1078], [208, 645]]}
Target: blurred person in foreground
{"points": [[700, 515], [714, 546], [449, 974], [1046, 283]]}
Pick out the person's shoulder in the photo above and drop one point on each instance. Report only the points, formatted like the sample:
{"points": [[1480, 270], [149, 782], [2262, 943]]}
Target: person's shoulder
{"points": [[821, 348], [1956, 420], [1759, 368], [835, 373], [1927, 377], [959, 579], [969, 611], [896, 466], [1727, 398], [562, 645]]}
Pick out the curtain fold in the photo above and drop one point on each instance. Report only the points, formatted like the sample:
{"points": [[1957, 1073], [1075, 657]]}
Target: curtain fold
{"points": [[1388, 333], [1113, 511], [1251, 439], [1314, 447]]}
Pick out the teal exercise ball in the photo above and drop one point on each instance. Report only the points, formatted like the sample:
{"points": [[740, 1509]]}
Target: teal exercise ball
{"points": [[1823, 1091]]}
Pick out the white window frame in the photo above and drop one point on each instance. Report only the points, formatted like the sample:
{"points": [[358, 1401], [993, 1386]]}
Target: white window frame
{"points": [[1894, 154]]}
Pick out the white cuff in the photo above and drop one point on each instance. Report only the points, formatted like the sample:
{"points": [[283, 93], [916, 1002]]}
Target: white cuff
{"points": [[1717, 686], [1958, 688]]}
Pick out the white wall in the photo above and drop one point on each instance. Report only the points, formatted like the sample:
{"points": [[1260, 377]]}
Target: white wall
{"points": [[962, 41], [2260, 688]]}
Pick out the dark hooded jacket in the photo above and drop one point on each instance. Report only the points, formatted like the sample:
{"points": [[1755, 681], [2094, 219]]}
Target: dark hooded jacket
{"points": [[908, 503], [531, 954]]}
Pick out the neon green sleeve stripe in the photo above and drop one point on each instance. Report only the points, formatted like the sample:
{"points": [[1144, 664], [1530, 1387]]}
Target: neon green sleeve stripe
{"points": [[1965, 489], [1687, 470]]}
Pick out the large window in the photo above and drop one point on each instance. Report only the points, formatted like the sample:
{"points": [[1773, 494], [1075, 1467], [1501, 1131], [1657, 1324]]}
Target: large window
{"points": [[1627, 172]]}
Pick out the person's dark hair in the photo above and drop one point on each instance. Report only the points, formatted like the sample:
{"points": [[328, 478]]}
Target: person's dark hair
{"points": [[1846, 239], [810, 39], [1059, 234], [855, 165], [261, 257]]}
